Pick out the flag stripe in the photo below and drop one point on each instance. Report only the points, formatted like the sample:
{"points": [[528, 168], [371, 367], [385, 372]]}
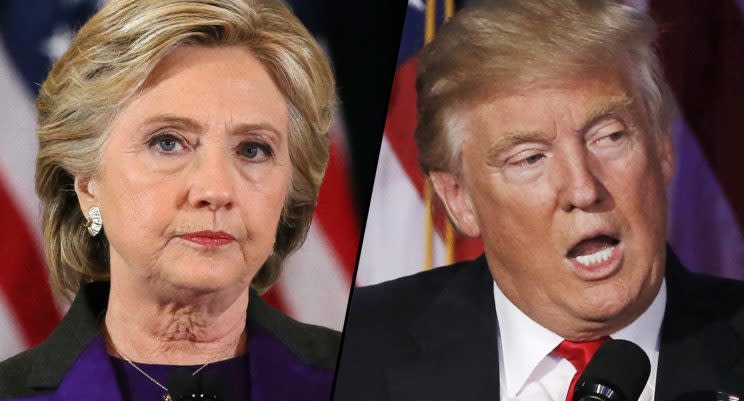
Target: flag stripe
{"points": [[335, 211], [11, 338], [400, 125], [18, 143], [313, 285], [401, 122], [23, 282], [394, 236]]}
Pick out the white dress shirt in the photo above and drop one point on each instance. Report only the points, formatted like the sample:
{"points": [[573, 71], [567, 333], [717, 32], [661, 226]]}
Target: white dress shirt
{"points": [[528, 370]]}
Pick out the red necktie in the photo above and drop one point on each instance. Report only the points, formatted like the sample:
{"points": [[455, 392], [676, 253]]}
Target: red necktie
{"points": [[579, 354]]}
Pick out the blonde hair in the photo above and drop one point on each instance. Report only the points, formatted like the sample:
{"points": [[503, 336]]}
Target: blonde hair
{"points": [[497, 47], [109, 60]]}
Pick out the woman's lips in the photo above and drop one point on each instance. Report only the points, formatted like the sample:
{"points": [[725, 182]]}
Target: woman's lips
{"points": [[209, 238]]}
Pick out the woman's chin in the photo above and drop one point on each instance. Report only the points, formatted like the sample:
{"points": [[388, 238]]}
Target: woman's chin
{"points": [[213, 278]]}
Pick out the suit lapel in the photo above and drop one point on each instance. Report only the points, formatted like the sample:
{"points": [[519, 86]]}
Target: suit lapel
{"points": [[91, 377], [277, 374], [699, 346], [72, 363], [456, 338]]}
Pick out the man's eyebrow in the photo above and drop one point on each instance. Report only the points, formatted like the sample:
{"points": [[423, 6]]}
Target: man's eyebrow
{"points": [[598, 112], [604, 109], [513, 138]]}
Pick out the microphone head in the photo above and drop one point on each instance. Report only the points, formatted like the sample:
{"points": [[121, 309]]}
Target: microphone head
{"points": [[618, 371], [213, 387], [182, 386]]}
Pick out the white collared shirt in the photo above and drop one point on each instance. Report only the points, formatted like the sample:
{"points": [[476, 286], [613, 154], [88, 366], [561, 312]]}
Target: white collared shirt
{"points": [[527, 369]]}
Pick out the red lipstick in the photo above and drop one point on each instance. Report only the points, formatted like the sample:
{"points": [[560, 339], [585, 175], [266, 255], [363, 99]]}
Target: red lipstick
{"points": [[209, 238]]}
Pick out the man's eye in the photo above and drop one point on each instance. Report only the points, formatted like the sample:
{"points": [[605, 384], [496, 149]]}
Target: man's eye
{"points": [[533, 159], [255, 150], [613, 137], [166, 143], [529, 161]]}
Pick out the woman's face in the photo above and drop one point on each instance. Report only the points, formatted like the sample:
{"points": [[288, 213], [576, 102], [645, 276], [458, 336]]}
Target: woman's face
{"points": [[195, 173]]}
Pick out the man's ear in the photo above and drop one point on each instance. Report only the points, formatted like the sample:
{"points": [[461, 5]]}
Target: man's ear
{"points": [[86, 190], [666, 156], [456, 201]]}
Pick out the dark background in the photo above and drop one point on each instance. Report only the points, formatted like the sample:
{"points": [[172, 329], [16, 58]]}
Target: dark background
{"points": [[363, 39]]}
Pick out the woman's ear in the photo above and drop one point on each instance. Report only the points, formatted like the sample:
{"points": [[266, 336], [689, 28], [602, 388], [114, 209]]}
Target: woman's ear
{"points": [[86, 190]]}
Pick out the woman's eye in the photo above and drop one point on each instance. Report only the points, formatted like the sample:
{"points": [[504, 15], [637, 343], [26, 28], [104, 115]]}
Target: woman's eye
{"points": [[166, 143], [255, 150]]}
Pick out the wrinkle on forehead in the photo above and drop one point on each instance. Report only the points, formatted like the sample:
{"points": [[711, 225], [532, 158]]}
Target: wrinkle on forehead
{"points": [[466, 120]]}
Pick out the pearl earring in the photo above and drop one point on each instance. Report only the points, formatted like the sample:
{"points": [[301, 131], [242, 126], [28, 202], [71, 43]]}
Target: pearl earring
{"points": [[94, 221]]}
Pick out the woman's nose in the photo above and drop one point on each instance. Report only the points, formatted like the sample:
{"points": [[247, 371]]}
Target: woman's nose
{"points": [[212, 180]]}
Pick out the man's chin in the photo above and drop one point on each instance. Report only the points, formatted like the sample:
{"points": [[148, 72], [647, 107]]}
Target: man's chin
{"points": [[605, 308]]}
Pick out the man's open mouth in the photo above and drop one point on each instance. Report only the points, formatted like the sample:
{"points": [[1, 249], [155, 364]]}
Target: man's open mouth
{"points": [[594, 250]]}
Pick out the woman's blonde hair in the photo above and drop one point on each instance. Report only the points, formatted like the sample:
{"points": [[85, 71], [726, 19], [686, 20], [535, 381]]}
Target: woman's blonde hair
{"points": [[109, 60], [498, 47]]}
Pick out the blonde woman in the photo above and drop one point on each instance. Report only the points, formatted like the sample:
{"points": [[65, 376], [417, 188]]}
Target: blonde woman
{"points": [[182, 146]]}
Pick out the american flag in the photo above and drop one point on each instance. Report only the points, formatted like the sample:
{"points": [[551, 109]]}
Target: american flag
{"points": [[315, 285], [702, 48]]}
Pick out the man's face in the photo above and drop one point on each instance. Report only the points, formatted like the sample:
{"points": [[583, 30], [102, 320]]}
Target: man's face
{"points": [[566, 187]]}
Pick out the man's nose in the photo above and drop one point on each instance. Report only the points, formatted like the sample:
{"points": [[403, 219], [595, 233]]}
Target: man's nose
{"points": [[579, 186], [212, 180]]}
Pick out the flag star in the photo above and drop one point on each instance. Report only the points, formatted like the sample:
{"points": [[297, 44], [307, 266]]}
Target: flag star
{"points": [[56, 45], [417, 4]]}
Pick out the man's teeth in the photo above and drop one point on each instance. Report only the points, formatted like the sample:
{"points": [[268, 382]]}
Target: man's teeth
{"points": [[596, 257]]}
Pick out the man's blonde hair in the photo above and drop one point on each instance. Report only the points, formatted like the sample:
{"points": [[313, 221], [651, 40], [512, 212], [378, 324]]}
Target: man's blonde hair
{"points": [[498, 47], [109, 60]]}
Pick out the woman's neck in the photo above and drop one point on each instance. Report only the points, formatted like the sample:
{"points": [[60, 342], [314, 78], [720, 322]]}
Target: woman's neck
{"points": [[191, 330]]}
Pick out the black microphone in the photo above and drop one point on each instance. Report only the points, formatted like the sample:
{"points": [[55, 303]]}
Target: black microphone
{"points": [[618, 371], [184, 386], [213, 386]]}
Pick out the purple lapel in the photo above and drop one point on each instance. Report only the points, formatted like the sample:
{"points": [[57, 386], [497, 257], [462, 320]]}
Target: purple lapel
{"points": [[91, 377], [278, 375]]}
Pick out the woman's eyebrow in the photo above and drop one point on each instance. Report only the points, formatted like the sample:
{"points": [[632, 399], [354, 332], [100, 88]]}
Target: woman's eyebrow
{"points": [[174, 120], [194, 125], [243, 128]]}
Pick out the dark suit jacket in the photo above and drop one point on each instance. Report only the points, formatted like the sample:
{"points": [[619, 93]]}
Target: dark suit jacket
{"points": [[288, 360], [433, 336]]}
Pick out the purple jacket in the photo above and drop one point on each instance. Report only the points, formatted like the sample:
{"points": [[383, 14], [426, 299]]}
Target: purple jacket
{"points": [[289, 360]]}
